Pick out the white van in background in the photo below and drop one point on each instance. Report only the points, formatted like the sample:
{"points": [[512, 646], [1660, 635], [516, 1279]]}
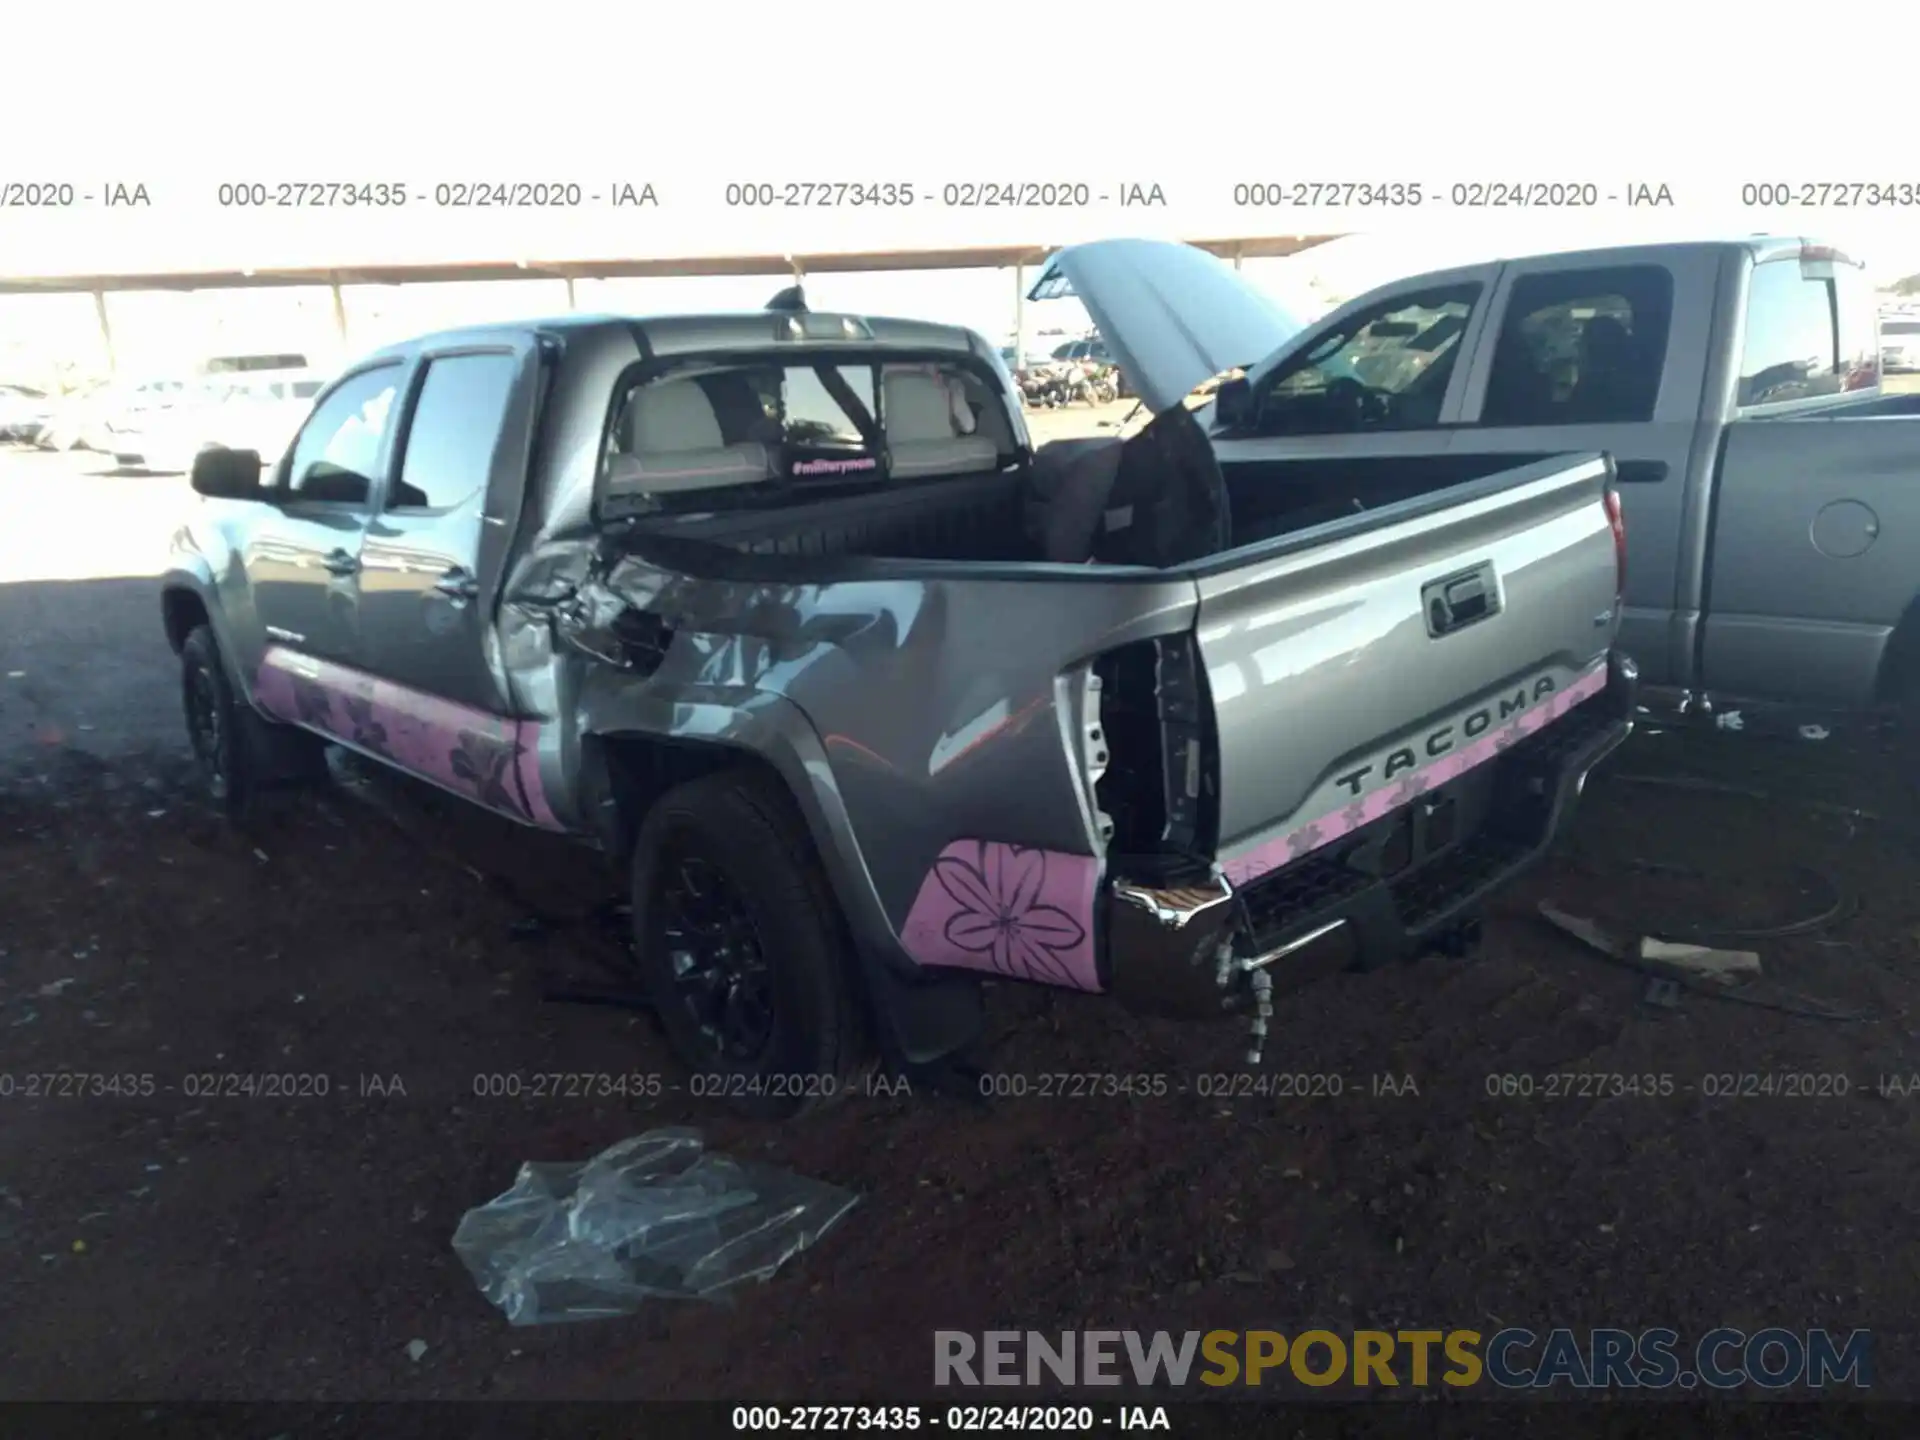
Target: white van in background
{"points": [[236, 402]]}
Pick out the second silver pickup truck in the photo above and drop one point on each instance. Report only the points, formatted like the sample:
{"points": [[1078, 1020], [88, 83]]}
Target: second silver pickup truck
{"points": [[782, 611], [1771, 487]]}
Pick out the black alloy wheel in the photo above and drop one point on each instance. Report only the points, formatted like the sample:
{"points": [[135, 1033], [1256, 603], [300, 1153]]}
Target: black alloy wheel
{"points": [[717, 959]]}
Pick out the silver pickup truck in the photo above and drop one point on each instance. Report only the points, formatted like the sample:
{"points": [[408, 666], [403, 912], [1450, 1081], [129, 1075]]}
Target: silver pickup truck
{"points": [[1771, 489], [871, 703]]}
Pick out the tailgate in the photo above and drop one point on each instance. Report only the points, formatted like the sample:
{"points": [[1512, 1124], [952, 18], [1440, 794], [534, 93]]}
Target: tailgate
{"points": [[1375, 658]]}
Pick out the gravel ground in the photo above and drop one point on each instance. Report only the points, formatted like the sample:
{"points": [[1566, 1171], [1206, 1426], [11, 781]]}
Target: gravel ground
{"points": [[176, 1245]]}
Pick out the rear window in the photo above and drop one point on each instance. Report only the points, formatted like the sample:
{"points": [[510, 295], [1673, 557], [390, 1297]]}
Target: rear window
{"points": [[707, 436], [246, 364], [1812, 329], [453, 430], [1900, 327], [1581, 347]]}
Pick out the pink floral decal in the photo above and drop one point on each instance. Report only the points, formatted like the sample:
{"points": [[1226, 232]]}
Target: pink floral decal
{"points": [[997, 888], [1009, 910], [487, 758]]}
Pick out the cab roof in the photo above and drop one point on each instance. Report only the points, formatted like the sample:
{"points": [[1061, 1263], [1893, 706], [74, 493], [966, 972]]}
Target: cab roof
{"points": [[717, 331]]}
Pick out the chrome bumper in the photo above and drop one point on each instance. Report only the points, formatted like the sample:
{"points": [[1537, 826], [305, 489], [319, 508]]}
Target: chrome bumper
{"points": [[1187, 950]]}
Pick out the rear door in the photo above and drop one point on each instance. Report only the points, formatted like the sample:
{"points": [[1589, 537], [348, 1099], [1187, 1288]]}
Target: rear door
{"points": [[303, 555], [1817, 515], [1605, 352], [430, 563]]}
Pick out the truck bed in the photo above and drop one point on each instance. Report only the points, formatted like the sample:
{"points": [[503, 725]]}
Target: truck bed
{"points": [[995, 518], [1317, 625]]}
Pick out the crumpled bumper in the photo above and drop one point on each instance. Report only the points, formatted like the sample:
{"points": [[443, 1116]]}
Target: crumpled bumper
{"points": [[1186, 950]]}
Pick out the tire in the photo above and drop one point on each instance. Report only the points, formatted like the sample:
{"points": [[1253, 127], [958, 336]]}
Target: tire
{"points": [[725, 865], [238, 753]]}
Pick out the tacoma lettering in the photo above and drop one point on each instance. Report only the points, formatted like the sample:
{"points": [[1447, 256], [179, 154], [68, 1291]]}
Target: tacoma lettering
{"points": [[1439, 741]]}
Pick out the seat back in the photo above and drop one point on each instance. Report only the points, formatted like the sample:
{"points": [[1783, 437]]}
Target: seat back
{"points": [[672, 442], [923, 431]]}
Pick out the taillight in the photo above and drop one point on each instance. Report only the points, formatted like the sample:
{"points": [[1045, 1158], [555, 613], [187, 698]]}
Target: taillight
{"points": [[1617, 522]]}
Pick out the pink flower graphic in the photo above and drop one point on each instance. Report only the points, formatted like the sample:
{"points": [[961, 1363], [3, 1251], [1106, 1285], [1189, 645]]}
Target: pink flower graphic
{"points": [[998, 890]]}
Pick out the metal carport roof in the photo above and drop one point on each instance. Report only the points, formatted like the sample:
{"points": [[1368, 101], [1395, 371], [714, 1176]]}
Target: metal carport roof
{"points": [[415, 273]]}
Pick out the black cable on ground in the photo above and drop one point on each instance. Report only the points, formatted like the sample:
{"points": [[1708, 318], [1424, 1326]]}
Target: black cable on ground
{"points": [[1841, 907]]}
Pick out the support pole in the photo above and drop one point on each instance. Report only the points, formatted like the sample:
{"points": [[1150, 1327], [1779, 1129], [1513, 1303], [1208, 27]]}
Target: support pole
{"points": [[1019, 311], [106, 329], [571, 305], [339, 312]]}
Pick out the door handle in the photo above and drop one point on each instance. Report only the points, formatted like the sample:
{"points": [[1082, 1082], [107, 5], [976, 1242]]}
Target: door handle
{"points": [[339, 562], [457, 584], [1640, 472]]}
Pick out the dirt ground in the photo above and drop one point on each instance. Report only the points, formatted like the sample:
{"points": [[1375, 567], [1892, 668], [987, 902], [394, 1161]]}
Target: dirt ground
{"points": [[168, 1245]]}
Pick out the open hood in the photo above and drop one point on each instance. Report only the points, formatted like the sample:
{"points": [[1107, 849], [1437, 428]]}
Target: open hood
{"points": [[1172, 315]]}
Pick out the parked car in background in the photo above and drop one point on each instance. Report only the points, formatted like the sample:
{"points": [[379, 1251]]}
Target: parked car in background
{"points": [[73, 417], [128, 409], [870, 703], [1900, 343], [24, 412], [1091, 352], [242, 410]]}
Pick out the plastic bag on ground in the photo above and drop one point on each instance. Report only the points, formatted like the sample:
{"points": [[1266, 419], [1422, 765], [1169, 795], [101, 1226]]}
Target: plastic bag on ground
{"points": [[655, 1215]]}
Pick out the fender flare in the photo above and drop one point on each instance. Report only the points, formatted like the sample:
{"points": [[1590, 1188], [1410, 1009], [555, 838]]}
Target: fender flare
{"points": [[195, 578]]}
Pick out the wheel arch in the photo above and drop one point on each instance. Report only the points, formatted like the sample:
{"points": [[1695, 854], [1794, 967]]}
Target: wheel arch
{"points": [[1899, 675], [917, 1014], [183, 609]]}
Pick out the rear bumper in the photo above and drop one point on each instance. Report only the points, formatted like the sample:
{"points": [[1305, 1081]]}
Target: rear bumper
{"points": [[1180, 951]]}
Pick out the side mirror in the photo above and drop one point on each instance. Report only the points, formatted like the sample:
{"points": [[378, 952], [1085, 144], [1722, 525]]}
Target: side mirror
{"points": [[228, 474], [1233, 404]]}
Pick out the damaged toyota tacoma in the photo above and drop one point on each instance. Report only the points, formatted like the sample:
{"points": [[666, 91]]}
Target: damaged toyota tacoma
{"points": [[873, 703]]}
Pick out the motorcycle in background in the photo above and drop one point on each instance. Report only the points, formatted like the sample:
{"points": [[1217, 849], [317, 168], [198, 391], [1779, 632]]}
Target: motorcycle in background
{"points": [[1041, 389], [1056, 386]]}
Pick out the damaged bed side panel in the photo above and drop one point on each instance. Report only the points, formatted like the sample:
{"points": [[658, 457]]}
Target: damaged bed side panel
{"points": [[924, 726]]}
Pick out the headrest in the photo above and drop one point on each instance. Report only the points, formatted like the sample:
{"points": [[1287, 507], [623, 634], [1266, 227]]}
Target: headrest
{"points": [[919, 406], [1605, 339], [670, 418]]}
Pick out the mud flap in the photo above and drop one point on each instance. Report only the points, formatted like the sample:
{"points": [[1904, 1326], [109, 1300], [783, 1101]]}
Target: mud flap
{"points": [[921, 1023]]}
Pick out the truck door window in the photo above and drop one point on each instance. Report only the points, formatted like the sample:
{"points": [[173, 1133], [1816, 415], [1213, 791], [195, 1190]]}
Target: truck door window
{"points": [[334, 459], [1857, 309], [1581, 347], [1386, 369], [1792, 349], [450, 439]]}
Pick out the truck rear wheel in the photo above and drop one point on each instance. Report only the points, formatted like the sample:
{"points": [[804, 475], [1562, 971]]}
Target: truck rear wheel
{"points": [[741, 947], [238, 753]]}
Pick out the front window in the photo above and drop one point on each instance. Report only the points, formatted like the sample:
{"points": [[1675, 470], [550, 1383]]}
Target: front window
{"points": [[710, 435], [337, 456], [1386, 369]]}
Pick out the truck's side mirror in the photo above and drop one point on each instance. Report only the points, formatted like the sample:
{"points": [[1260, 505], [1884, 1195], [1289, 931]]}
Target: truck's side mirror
{"points": [[228, 474], [1233, 404]]}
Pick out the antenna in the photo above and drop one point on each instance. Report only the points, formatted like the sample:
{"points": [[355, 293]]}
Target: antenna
{"points": [[793, 300]]}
